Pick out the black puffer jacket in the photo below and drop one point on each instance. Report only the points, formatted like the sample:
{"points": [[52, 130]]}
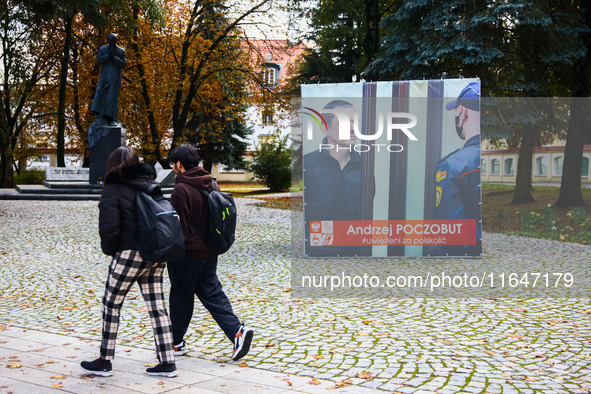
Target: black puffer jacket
{"points": [[117, 214]]}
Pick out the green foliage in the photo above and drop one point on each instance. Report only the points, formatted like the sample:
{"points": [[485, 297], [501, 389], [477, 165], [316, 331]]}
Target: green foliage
{"points": [[29, 177], [228, 147], [575, 227], [272, 164], [545, 221], [346, 34], [516, 47], [426, 39]]}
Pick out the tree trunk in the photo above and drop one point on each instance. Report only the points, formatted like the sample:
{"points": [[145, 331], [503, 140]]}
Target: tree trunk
{"points": [[523, 184], [371, 40], [570, 186], [6, 169], [61, 107], [82, 132]]}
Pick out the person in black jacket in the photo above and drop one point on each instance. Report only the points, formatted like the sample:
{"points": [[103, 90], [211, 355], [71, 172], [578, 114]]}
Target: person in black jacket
{"points": [[118, 232]]}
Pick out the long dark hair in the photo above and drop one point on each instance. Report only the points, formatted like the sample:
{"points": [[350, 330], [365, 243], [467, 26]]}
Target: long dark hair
{"points": [[121, 157]]}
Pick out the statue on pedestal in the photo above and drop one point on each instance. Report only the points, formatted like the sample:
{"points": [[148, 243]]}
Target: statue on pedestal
{"points": [[106, 99], [106, 133]]}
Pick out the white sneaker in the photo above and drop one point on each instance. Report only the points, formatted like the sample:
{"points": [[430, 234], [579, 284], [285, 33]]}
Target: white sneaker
{"points": [[242, 341], [180, 349]]}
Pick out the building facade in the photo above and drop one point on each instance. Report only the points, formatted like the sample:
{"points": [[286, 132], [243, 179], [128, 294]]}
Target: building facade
{"points": [[500, 166]]}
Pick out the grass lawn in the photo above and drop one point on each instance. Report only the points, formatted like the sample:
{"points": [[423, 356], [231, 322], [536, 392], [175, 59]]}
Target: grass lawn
{"points": [[538, 219]]}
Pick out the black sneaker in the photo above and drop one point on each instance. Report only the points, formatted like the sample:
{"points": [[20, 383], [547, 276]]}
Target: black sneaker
{"points": [[242, 342], [166, 370], [98, 367]]}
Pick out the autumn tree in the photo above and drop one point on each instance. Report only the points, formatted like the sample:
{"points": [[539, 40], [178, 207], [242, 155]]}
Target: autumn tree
{"points": [[186, 77], [25, 66], [61, 16], [204, 41]]}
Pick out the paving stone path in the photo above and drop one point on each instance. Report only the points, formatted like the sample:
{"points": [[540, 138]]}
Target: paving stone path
{"points": [[52, 275]]}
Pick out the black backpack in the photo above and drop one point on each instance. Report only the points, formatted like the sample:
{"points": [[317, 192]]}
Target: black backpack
{"points": [[160, 233], [222, 220]]}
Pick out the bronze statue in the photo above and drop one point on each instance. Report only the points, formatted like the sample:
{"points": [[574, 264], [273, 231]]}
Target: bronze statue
{"points": [[113, 59], [106, 99]]}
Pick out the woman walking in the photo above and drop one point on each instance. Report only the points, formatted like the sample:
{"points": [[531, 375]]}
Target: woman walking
{"points": [[118, 232]]}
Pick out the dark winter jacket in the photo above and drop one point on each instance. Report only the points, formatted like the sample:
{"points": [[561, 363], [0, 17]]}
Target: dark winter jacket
{"points": [[193, 209], [117, 213]]}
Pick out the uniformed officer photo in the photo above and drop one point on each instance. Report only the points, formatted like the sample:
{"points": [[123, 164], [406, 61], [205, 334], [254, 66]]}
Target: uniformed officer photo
{"points": [[457, 177]]}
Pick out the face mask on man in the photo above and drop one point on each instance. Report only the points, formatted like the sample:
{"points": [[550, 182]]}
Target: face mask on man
{"points": [[459, 127]]}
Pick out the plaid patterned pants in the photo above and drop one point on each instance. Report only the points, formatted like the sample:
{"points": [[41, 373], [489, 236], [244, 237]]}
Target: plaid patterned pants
{"points": [[127, 267]]}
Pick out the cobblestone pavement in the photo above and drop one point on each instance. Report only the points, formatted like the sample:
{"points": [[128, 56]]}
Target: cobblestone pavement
{"points": [[52, 275]]}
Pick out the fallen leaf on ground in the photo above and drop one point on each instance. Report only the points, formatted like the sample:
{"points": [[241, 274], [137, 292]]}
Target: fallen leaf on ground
{"points": [[344, 383], [314, 382], [59, 377], [14, 366], [364, 375]]}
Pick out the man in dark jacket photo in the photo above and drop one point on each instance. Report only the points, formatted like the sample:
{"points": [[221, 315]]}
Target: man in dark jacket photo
{"points": [[332, 181], [195, 274]]}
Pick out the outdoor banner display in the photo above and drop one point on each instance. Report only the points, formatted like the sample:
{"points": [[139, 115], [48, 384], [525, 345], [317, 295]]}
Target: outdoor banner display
{"points": [[392, 169]]}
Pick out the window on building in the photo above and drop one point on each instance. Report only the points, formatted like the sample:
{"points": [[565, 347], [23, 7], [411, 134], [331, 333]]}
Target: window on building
{"points": [[267, 116], [222, 169], [269, 76], [508, 167], [483, 166], [557, 170], [541, 167], [585, 167], [495, 167]]}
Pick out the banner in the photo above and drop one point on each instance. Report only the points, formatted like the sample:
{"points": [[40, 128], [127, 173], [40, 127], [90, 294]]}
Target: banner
{"points": [[392, 169]]}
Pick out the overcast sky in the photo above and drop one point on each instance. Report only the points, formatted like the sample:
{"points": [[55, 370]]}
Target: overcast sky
{"points": [[273, 23]]}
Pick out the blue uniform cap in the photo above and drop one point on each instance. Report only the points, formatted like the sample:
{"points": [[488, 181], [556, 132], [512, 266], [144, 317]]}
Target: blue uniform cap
{"points": [[469, 98]]}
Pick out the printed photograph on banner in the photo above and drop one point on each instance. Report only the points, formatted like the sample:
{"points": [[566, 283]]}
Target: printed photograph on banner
{"points": [[391, 169]]}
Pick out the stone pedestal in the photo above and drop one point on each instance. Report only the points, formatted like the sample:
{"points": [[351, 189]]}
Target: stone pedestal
{"points": [[111, 138]]}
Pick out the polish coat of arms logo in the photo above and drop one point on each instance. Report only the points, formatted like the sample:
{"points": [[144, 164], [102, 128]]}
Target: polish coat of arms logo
{"points": [[321, 233]]}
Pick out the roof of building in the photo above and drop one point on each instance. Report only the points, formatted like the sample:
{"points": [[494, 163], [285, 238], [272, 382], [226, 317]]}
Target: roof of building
{"points": [[275, 51]]}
